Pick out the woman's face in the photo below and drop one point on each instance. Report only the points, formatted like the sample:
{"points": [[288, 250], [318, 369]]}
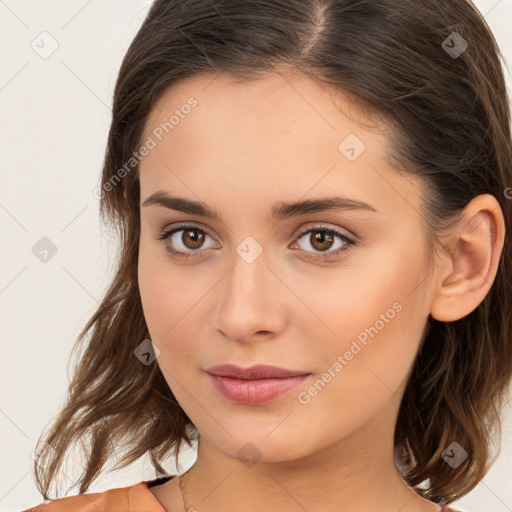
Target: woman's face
{"points": [[269, 284]]}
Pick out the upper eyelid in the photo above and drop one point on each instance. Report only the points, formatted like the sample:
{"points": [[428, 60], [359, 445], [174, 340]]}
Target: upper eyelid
{"points": [[325, 226]]}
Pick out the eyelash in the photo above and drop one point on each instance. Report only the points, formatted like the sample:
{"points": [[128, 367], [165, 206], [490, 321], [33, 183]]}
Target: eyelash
{"points": [[349, 242]]}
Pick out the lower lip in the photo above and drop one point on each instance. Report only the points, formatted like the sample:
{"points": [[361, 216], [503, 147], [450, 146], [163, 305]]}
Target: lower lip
{"points": [[254, 392]]}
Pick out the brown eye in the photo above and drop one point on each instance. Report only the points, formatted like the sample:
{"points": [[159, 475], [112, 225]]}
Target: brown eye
{"points": [[319, 244], [321, 240], [190, 242], [193, 241]]}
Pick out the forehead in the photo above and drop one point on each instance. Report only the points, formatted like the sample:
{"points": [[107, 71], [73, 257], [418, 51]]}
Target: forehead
{"points": [[285, 133], [276, 102]]}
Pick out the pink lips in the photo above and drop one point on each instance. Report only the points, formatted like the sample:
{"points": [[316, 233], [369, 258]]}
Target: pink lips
{"points": [[255, 385]]}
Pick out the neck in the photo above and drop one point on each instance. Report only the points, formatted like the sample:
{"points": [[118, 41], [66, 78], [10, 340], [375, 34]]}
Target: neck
{"points": [[357, 473]]}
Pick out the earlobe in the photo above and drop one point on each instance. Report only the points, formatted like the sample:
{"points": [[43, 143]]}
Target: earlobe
{"points": [[469, 263]]}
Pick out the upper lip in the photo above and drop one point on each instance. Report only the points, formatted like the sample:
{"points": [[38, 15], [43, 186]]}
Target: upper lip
{"points": [[258, 371]]}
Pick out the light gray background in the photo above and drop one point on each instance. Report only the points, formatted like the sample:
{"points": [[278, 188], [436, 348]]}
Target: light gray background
{"points": [[55, 115]]}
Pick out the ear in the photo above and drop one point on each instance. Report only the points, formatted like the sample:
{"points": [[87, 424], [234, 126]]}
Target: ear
{"points": [[469, 261]]}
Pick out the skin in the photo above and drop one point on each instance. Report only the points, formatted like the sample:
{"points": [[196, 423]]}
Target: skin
{"points": [[244, 147]]}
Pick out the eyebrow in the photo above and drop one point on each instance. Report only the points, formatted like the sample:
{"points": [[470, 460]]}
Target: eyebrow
{"points": [[280, 210]]}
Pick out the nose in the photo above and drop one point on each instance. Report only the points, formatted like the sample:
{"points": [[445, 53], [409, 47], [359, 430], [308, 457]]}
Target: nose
{"points": [[252, 300]]}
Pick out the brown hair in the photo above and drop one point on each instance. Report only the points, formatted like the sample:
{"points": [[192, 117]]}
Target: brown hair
{"points": [[451, 125]]}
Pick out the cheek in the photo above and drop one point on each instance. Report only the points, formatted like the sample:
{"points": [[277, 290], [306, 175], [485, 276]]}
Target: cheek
{"points": [[375, 318], [159, 289], [164, 310], [170, 296], [386, 292]]}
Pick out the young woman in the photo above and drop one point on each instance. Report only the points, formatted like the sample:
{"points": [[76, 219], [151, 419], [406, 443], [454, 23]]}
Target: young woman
{"points": [[312, 199]]}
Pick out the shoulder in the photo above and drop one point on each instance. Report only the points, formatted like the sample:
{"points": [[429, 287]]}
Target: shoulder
{"points": [[134, 498], [446, 508]]}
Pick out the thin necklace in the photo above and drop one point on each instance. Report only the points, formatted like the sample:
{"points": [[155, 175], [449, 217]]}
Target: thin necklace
{"points": [[181, 481]]}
